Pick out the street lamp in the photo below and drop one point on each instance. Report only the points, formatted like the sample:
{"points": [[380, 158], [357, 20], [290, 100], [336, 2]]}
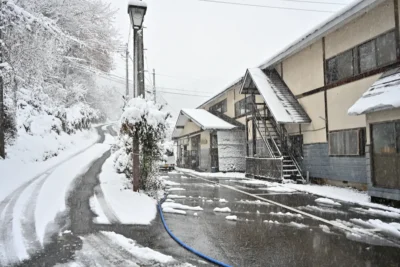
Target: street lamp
{"points": [[136, 10]]}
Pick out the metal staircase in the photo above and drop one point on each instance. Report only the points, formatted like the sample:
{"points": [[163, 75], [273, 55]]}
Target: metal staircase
{"points": [[275, 139]]}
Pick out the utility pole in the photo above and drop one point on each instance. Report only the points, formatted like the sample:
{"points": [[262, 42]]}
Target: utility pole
{"points": [[2, 138], [154, 86], [135, 67], [127, 73]]}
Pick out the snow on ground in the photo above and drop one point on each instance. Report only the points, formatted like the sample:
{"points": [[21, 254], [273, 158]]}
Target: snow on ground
{"points": [[170, 183], [176, 189], [223, 200], [325, 228], [128, 206], [387, 228], [172, 210], [339, 193], [287, 214], [297, 225], [228, 175], [377, 212], [95, 206], [322, 209], [255, 202], [278, 189], [52, 198], [175, 196], [180, 206], [112, 249], [253, 182], [224, 210], [25, 158], [327, 201], [271, 222], [231, 218]]}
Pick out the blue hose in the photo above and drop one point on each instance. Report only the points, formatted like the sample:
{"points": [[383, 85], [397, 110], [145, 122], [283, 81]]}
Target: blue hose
{"points": [[183, 244]]}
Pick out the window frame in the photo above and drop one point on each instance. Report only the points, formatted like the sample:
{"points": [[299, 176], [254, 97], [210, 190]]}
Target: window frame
{"points": [[240, 102], [223, 104], [361, 142], [356, 59]]}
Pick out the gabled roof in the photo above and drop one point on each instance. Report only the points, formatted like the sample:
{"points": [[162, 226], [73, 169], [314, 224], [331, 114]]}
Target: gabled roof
{"points": [[281, 102], [384, 94], [202, 118], [344, 16]]}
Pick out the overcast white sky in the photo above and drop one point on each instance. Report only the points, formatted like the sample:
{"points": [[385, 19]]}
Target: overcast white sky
{"points": [[206, 46]]}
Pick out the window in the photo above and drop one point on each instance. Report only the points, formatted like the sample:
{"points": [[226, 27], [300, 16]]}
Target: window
{"points": [[244, 106], [386, 48], [385, 139], [220, 107], [347, 143], [365, 57]]}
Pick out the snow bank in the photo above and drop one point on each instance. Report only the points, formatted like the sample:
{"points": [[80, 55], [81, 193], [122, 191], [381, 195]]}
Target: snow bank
{"points": [[180, 206], [387, 228], [255, 202], [278, 189], [228, 175], [231, 218], [376, 212], [327, 201], [325, 228], [95, 206], [137, 251], [223, 200], [172, 210], [130, 207], [224, 210], [298, 225], [287, 214]]}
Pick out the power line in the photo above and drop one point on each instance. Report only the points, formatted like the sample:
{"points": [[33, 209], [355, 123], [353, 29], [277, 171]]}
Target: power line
{"points": [[314, 2], [178, 89], [165, 92], [272, 7]]}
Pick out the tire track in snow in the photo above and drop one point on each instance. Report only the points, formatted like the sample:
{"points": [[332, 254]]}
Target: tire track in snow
{"points": [[28, 225], [8, 254], [108, 211]]}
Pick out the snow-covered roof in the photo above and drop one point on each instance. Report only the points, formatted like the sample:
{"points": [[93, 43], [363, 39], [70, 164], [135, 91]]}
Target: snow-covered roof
{"points": [[347, 14], [384, 94], [202, 118], [277, 96]]}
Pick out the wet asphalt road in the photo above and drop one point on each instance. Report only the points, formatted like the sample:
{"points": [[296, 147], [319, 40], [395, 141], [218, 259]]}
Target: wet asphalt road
{"points": [[252, 242], [65, 249]]}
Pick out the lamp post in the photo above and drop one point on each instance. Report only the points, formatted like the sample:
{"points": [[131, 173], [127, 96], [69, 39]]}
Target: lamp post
{"points": [[136, 10]]}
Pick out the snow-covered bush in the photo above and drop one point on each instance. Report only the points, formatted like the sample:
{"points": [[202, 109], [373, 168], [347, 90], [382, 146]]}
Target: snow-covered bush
{"points": [[144, 120]]}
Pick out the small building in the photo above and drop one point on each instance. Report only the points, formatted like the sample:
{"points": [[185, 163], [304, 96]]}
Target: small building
{"points": [[206, 142], [381, 107]]}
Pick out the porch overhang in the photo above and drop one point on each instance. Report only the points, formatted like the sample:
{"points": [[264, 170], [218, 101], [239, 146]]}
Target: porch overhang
{"points": [[279, 99], [384, 94]]}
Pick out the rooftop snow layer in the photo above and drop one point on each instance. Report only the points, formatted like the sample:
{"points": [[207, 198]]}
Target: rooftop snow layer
{"points": [[384, 94], [283, 105], [206, 120]]}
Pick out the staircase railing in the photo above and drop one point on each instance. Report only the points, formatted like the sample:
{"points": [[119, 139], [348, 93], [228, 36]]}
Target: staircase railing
{"points": [[262, 119], [285, 138]]}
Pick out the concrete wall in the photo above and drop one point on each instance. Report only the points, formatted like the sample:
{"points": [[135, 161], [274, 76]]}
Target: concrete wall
{"points": [[320, 165], [341, 98], [231, 150], [368, 26], [314, 132], [304, 71]]}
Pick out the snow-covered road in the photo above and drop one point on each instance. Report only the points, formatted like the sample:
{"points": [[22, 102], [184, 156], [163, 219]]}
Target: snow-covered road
{"points": [[28, 214]]}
